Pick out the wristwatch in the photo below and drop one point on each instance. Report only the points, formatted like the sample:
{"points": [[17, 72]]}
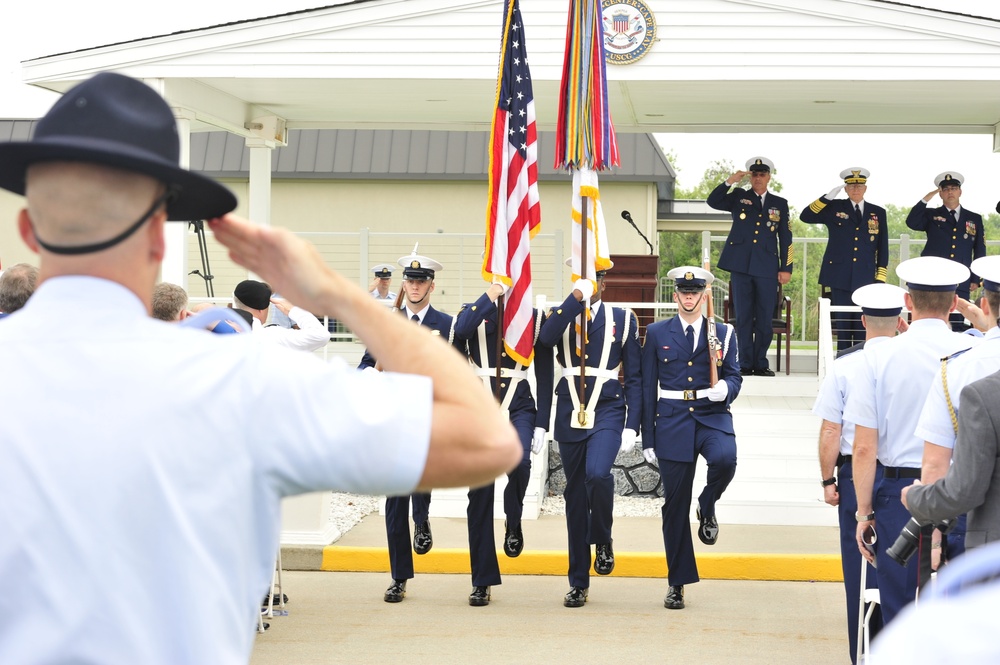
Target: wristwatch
{"points": [[865, 518], [829, 481]]}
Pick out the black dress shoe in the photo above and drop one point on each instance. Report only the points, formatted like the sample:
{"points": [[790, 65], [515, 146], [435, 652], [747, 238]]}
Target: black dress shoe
{"points": [[395, 593], [513, 540], [480, 596], [746, 372], [604, 562], [674, 600], [576, 597], [763, 372], [708, 528], [422, 539]]}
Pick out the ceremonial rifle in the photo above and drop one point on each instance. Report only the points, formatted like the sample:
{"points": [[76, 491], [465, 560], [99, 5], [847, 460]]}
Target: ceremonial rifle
{"points": [[714, 345]]}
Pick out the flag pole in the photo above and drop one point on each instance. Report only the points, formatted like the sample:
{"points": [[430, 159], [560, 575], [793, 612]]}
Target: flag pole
{"points": [[581, 417], [500, 345]]}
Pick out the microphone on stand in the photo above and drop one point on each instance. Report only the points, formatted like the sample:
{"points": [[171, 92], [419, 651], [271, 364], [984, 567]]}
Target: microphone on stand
{"points": [[628, 218]]}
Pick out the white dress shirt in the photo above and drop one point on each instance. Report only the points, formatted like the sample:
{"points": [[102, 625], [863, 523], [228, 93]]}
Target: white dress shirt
{"points": [[143, 466], [311, 335]]}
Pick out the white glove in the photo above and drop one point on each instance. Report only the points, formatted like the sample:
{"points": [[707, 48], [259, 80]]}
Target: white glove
{"points": [[538, 440], [718, 392], [649, 454], [832, 194], [498, 282], [628, 440], [584, 286]]}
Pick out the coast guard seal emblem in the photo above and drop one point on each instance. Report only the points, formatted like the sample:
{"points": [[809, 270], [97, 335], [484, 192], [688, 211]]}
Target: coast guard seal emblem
{"points": [[629, 30]]}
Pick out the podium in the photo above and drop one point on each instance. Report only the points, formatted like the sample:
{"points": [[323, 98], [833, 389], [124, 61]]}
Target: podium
{"points": [[635, 278]]}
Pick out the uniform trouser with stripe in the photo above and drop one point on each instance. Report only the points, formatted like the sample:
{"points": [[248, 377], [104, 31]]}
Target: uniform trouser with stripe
{"points": [[517, 480], [897, 585], [719, 450], [397, 530], [754, 299], [482, 544], [589, 494]]}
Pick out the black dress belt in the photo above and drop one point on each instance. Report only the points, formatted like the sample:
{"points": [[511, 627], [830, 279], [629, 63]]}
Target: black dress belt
{"points": [[843, 459], [901, 472]]}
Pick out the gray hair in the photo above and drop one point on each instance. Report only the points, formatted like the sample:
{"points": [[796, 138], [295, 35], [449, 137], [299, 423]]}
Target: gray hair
{"points": [[16, 285]]}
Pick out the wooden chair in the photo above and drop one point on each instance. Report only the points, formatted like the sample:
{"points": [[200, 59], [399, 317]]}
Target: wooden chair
{"points": [[781, 324]]}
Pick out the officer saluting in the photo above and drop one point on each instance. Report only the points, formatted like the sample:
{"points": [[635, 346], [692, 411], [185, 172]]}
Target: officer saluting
{"points": [[953, 232], [418, 284], [884, 406], [857, 249], [758, 255], [683, 416], [477, 324], [380, 283]]}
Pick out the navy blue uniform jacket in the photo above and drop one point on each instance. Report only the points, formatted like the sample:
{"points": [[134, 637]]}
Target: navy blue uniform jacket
{"points": [[667, 362], [610, 412], [760, 240], [466, 324], [857, 250], [435, 320], [961, 243]]}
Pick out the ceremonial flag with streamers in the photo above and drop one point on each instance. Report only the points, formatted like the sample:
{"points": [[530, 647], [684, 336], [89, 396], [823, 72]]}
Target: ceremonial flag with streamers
{"points": [[585, 135], [585, 186], [514, 214]]}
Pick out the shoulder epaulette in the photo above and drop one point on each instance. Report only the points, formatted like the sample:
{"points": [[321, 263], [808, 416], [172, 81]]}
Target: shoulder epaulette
{"points": [[850, 350], [954, 355]]}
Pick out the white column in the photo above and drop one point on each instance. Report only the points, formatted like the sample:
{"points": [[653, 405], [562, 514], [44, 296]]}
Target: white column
{"points": [[260, 180], [175, 265]]}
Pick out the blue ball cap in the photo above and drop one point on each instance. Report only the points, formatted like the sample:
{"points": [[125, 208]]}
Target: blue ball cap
{"points": [[879, 299], [932, 273]]}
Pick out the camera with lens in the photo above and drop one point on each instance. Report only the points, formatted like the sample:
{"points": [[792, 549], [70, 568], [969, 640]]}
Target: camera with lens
{"points": [[908, 539]]}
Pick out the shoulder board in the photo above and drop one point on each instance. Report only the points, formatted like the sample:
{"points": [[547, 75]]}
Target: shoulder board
{"points": [[955, 355], [848, 351]]}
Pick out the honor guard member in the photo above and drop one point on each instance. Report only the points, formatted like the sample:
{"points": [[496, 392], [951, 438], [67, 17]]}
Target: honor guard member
{"points": [[937, 425], [380, 283], [883, 405], [591, 428], [857, 248], [684, 416], [758, 256], [477, 325], [880, 307], [418, 285], [953, 232]]}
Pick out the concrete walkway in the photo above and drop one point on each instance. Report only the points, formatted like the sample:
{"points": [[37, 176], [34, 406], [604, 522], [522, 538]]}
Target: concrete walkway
{"points": [[739, 613]]}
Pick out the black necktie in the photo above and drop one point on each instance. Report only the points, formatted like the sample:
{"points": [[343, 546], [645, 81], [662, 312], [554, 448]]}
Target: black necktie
{"points": [[415, 318], [690, 337], [857, 210], [954, 216], [761, 200]]}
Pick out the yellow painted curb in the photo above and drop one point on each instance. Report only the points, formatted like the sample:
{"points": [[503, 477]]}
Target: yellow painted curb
{"points": [[786, 567]]}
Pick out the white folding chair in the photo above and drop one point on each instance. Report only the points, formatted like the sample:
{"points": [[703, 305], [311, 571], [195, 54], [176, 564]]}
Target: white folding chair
{"points": [[869, 600], [275, 588]]}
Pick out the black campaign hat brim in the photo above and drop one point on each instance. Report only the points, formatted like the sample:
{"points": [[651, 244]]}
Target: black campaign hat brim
{"points": [[198, 197]]}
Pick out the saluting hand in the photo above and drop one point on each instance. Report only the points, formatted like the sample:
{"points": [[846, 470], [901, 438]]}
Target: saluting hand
{"points": [[931, 194], [736, 177]]}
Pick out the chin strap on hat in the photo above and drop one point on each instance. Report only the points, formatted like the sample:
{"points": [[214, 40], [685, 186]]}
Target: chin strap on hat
{"points": [[121, 237]]}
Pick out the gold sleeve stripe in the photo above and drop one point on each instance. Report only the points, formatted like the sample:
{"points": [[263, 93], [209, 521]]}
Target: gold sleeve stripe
{"points": [[817, 205], [791, 255], [881, 274]]}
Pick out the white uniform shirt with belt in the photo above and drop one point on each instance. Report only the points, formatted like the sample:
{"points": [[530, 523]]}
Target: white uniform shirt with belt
{"points": [[832, 397], [143, 465], [897, 376], [935, 424], [310, 336]]}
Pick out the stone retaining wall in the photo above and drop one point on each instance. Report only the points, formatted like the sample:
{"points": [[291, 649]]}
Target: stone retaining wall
{"points": [[633, 475]]}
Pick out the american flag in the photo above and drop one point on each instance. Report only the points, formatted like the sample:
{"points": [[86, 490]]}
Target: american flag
{"points": [[514, 213]]}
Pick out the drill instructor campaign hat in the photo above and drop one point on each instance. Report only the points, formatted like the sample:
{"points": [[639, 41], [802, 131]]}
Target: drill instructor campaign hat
{"points": [[121, 122]]}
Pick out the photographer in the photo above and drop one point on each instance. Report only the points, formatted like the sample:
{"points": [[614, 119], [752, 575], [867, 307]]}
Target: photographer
{"points": [[972, 483]]}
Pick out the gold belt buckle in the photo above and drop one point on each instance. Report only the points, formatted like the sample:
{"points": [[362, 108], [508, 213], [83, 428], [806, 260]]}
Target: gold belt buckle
{"points": [[688, 395]]}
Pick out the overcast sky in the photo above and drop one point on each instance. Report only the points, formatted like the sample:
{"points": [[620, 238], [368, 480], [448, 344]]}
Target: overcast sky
{"points": [[903, 166]]}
